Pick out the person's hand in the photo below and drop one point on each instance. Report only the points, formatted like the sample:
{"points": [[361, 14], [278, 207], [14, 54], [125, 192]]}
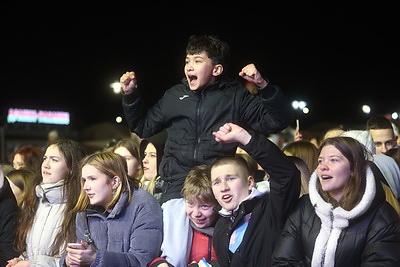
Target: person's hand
{"points": [[128, 82], [22, 263], [17, 262], [80, 256], [251, 74], [297, 134], [230, 132]]}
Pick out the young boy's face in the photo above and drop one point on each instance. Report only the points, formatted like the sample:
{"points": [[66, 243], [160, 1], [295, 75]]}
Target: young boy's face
{"points": [[230, 185], [200, 71], [200, 213]]}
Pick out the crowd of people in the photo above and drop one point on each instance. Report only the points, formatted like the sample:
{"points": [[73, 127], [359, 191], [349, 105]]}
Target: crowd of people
{"points": [[202, 184]]}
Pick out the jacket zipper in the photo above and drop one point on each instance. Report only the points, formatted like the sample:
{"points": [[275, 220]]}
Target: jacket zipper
{"points": [[198, 108]]}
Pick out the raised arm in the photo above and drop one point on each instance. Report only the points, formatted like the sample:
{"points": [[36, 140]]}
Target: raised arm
{"points": [[284, 176], [266, 112]]}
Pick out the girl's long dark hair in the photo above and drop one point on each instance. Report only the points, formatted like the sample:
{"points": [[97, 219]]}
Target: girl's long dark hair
{"points": [[73, 153]]}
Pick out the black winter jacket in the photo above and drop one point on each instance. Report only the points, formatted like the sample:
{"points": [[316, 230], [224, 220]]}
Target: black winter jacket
{"points": [[8, 222], [268, 212], [371, 239], [191, 116]]}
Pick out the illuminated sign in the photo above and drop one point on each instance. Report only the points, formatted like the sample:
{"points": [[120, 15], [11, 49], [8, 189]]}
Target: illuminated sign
{"points": [[37, 116]]}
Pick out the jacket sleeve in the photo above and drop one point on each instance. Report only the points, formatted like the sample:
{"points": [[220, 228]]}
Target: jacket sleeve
{"points": [[284, 178], [289, 248], [143, 121], [267, 112]]}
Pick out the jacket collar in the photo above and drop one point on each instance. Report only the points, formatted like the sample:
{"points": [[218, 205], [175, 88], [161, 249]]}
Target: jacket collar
{"points": [[221, 83], [207, 231], [116, 210], [254, 193], [51, 193]]}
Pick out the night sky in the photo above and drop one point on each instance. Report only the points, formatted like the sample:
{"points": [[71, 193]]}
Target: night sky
{"points": [[64, 56]]}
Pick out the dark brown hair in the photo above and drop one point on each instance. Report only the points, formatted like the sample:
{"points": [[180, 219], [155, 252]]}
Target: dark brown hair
{"points": [[356, 154], [73, 153], [217, 50]]}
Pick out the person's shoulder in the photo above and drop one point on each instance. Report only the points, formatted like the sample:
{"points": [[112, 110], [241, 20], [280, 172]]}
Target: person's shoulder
{"points": [[303, 209], [381, 221], [303, 205], [230, 84], [80, 216], [143, 204], [6, 191], [387, 214], [177, 87], [305, 198], [8, 205], [140, 195], [222, 222], [176, 90], [305, 202], [386, 164]]}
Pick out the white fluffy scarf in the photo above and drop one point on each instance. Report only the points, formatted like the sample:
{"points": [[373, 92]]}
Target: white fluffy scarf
{"points": [[335, 219]]}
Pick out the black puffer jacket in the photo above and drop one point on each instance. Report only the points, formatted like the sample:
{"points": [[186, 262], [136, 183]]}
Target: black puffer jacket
{"points": [[372, 237], [192, 116]]}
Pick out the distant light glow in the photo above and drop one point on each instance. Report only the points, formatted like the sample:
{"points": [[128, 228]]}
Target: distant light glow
{"points": [[302, 104], [395, 115], [116, 86], [299, 104], [37, 116], [366, 109], [118, 119]]}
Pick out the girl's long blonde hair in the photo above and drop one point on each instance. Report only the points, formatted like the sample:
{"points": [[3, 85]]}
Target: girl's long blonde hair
{"points": [[111, 164]]}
